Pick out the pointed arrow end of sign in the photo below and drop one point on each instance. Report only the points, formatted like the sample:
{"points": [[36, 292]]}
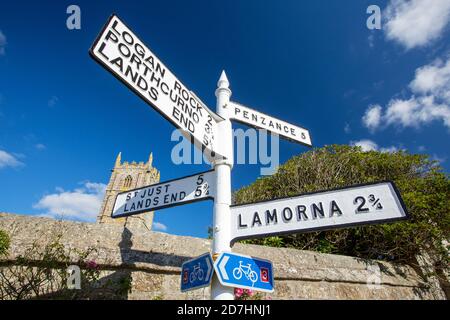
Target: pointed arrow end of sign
{"points": [[222, 269], [209, 266], [223, 80]]}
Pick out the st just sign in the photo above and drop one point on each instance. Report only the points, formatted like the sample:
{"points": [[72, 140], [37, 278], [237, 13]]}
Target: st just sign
{"points": [[123, 54], [242, 271], [196, 273], [165, 194], [356, 205]]}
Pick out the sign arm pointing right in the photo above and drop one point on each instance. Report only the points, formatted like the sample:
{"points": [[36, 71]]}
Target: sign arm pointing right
{"points": [[248, 116]]}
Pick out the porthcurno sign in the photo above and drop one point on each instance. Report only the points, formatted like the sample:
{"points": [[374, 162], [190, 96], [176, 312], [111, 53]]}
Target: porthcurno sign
{"points": [[123, 54]]}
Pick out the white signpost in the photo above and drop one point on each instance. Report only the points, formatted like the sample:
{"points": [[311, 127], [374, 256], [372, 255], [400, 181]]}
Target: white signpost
{"points": [[165, 194], [260, 120], [346, 207], [121, 52]]}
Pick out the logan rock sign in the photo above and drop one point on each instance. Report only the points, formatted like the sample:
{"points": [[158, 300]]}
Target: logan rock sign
{"points": [[121, 52], [363, 204]]}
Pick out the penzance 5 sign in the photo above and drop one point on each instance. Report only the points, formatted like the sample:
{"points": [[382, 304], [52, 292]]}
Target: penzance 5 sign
{"points": [[362, 204], [165, 194], [123, 54], [257, 119]]}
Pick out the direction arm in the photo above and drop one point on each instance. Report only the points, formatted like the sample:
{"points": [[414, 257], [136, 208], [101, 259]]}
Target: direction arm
{"points": [[248, 116]]}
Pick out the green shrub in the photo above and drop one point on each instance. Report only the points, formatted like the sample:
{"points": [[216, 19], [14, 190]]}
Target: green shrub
{"points": [[425, 190], [4, 243]]}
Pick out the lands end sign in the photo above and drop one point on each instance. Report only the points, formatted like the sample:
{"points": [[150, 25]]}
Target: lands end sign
{"points": [[362, 204], [166, 194]]}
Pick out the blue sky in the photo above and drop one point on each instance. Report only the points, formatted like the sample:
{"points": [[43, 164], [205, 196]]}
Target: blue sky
{"points": [[63, 118]]}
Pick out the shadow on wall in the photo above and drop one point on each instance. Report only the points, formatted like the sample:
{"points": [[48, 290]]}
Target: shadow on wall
{"points": [[118, 282]]}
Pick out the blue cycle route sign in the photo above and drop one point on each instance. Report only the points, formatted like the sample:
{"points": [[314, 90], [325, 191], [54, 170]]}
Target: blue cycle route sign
{"points": [[196, 273], [241, 271]]}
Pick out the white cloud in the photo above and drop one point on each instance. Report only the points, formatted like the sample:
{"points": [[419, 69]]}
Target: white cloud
{"points": [[440, 160], [366, 145], [416, 23], [80, 204], [429, 101], [40, 146], [159, 226], [8, 160], [390, 149], [347, 128], [372, 117], [433, 79], [369, 145], [2, 43], [416, 111], [52, 101]]}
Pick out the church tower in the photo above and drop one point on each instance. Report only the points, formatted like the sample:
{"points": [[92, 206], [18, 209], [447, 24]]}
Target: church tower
{"points": [[126, 176]]}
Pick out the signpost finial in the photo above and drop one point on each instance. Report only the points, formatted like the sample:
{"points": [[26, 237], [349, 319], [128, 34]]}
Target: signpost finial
{"points": [[223, 80]]}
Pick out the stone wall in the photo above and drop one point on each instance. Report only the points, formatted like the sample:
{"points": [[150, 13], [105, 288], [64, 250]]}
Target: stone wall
{"points": [[153, 261]]}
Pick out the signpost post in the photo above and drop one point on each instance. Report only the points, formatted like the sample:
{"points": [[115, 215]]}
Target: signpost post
{"points": [[222, 167], [123, 54]]}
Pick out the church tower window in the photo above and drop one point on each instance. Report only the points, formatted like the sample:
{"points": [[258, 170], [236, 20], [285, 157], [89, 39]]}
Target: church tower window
{"points": [[127, 182]]}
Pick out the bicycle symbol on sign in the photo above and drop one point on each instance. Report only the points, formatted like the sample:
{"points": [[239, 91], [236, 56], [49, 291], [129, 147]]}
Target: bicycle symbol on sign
{"points": [[245, 270], [197, 273]]}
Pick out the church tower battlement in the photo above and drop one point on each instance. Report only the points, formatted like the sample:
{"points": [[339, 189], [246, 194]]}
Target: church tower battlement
{"points": [[126, 176]]}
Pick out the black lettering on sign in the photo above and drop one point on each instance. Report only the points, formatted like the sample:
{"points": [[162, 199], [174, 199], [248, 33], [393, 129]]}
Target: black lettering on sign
{"points": [[287, 214], [301, 211], [293, 132], [240, 223], [361, 201], [256, 219], [118, 62], [334, 208], [317, 209], [271, 217]]}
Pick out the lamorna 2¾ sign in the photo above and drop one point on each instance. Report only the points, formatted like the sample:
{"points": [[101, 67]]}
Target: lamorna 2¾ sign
{"points": [[362, 204]]}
